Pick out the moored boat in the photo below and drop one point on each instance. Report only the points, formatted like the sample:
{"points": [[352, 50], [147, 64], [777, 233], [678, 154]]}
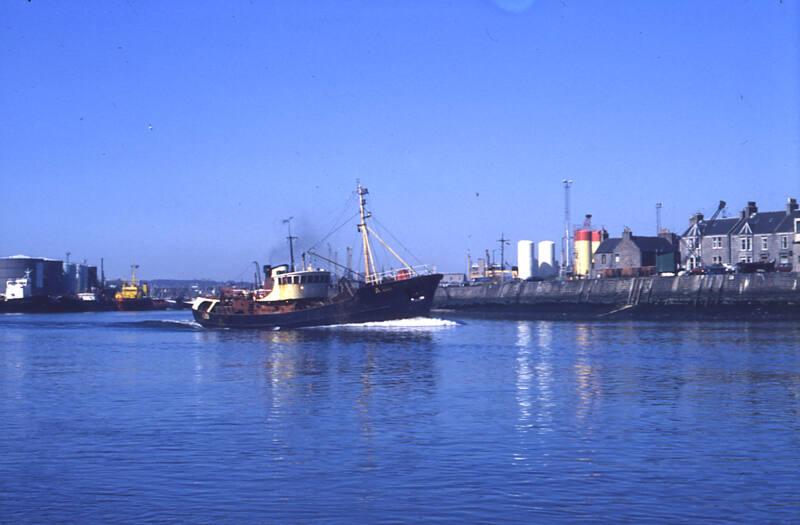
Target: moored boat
{"points": [[134, 296]]}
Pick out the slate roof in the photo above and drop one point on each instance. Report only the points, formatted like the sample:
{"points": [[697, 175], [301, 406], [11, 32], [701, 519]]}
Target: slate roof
{"points": [[760, 223], [720, 226], [716, 227], [608, 245], [645, 244], [787, 225], [767, 222]]}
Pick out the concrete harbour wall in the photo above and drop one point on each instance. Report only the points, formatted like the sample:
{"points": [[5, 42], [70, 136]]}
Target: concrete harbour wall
{"points": [[762, 294]]}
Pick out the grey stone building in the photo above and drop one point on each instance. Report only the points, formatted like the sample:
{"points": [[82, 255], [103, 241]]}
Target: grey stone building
{"points": [[635, 255], [753, 236]]}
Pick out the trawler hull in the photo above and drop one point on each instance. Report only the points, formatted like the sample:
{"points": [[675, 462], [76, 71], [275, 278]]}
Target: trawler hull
{"points": [[380, 302]]}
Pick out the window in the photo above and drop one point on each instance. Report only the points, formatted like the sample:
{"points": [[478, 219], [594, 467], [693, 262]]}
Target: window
{"points": [[716, 242], [716, 259], [690, 242], [616, 258], [746, 243], [785, 242], [603, 258], [764, 243], [784, 259]]}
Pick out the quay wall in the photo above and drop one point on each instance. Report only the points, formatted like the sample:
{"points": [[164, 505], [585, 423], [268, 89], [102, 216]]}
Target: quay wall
{"points": [[763, 294]]}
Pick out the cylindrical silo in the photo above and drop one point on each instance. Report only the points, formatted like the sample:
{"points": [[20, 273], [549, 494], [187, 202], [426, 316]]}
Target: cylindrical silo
{"points": [[91, 278], [70, 279], [53, 275], [547, 259], [526, 260], [583, 252], [14, 267], [46, 274], [82, 278]]}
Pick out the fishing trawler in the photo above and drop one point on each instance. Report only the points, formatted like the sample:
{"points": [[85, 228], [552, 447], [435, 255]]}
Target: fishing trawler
{"points": [[291, 298]]}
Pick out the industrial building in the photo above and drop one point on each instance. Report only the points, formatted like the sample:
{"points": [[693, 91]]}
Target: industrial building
{"points": [[48, 276], [632, 255], [752, 236]]}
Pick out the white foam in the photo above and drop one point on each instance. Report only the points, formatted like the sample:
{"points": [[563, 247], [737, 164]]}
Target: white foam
{"points": [[400, 324], [182, 322]]}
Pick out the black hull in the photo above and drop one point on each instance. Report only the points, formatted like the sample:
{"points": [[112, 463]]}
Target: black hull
{"points": [[53, 305], [143, 304], [382, 302]]}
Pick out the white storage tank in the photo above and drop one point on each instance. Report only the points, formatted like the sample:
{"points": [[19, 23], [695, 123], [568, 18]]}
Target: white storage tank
{"points": [[70, 282], [547, 259], [526, 260]]}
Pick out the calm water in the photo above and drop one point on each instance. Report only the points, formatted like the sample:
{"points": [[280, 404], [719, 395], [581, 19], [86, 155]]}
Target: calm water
{"points": [[134, 418]]}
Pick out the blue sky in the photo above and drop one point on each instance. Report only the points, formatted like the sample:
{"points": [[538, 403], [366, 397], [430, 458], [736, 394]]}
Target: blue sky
{"points": [[178, 135]]}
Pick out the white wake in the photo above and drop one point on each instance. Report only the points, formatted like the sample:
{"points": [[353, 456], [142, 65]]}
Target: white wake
{"points": [[399, 324]]}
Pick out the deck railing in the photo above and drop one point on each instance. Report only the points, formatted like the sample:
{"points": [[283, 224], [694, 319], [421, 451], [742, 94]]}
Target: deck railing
{"points": [[399, 274]]}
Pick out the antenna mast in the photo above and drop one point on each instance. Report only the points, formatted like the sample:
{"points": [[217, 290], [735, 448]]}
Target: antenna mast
{"points": [[565, 257], [503, 241]]}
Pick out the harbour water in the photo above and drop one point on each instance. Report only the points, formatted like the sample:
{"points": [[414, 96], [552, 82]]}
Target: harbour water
{"points": [[144, 417]]}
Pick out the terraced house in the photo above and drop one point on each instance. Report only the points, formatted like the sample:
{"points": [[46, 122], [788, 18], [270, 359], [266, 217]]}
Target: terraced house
{"points": [[753, 236]]}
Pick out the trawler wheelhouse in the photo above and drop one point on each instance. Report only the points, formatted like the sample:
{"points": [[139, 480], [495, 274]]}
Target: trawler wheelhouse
{"points": [[307, 284]]}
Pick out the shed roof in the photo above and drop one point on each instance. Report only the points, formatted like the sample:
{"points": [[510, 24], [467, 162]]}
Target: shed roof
{"points": [[653, 244]]}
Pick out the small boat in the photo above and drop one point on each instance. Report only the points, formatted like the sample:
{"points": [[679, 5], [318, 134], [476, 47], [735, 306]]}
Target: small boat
{"points": [[292, 298]]}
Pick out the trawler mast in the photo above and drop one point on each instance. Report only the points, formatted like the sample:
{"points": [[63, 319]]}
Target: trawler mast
{"points": [[370, 273]]}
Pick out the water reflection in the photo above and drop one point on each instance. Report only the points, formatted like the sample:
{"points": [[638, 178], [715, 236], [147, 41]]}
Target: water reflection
{"points": [[587, 378], [534, 382], [307, 370], [524, 375], [544, 377]]}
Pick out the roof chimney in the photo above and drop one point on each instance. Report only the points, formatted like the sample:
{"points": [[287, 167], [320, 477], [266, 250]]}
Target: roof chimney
{"points": [[626, 233], [791, 205], [697, 217], [750, 210]]}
